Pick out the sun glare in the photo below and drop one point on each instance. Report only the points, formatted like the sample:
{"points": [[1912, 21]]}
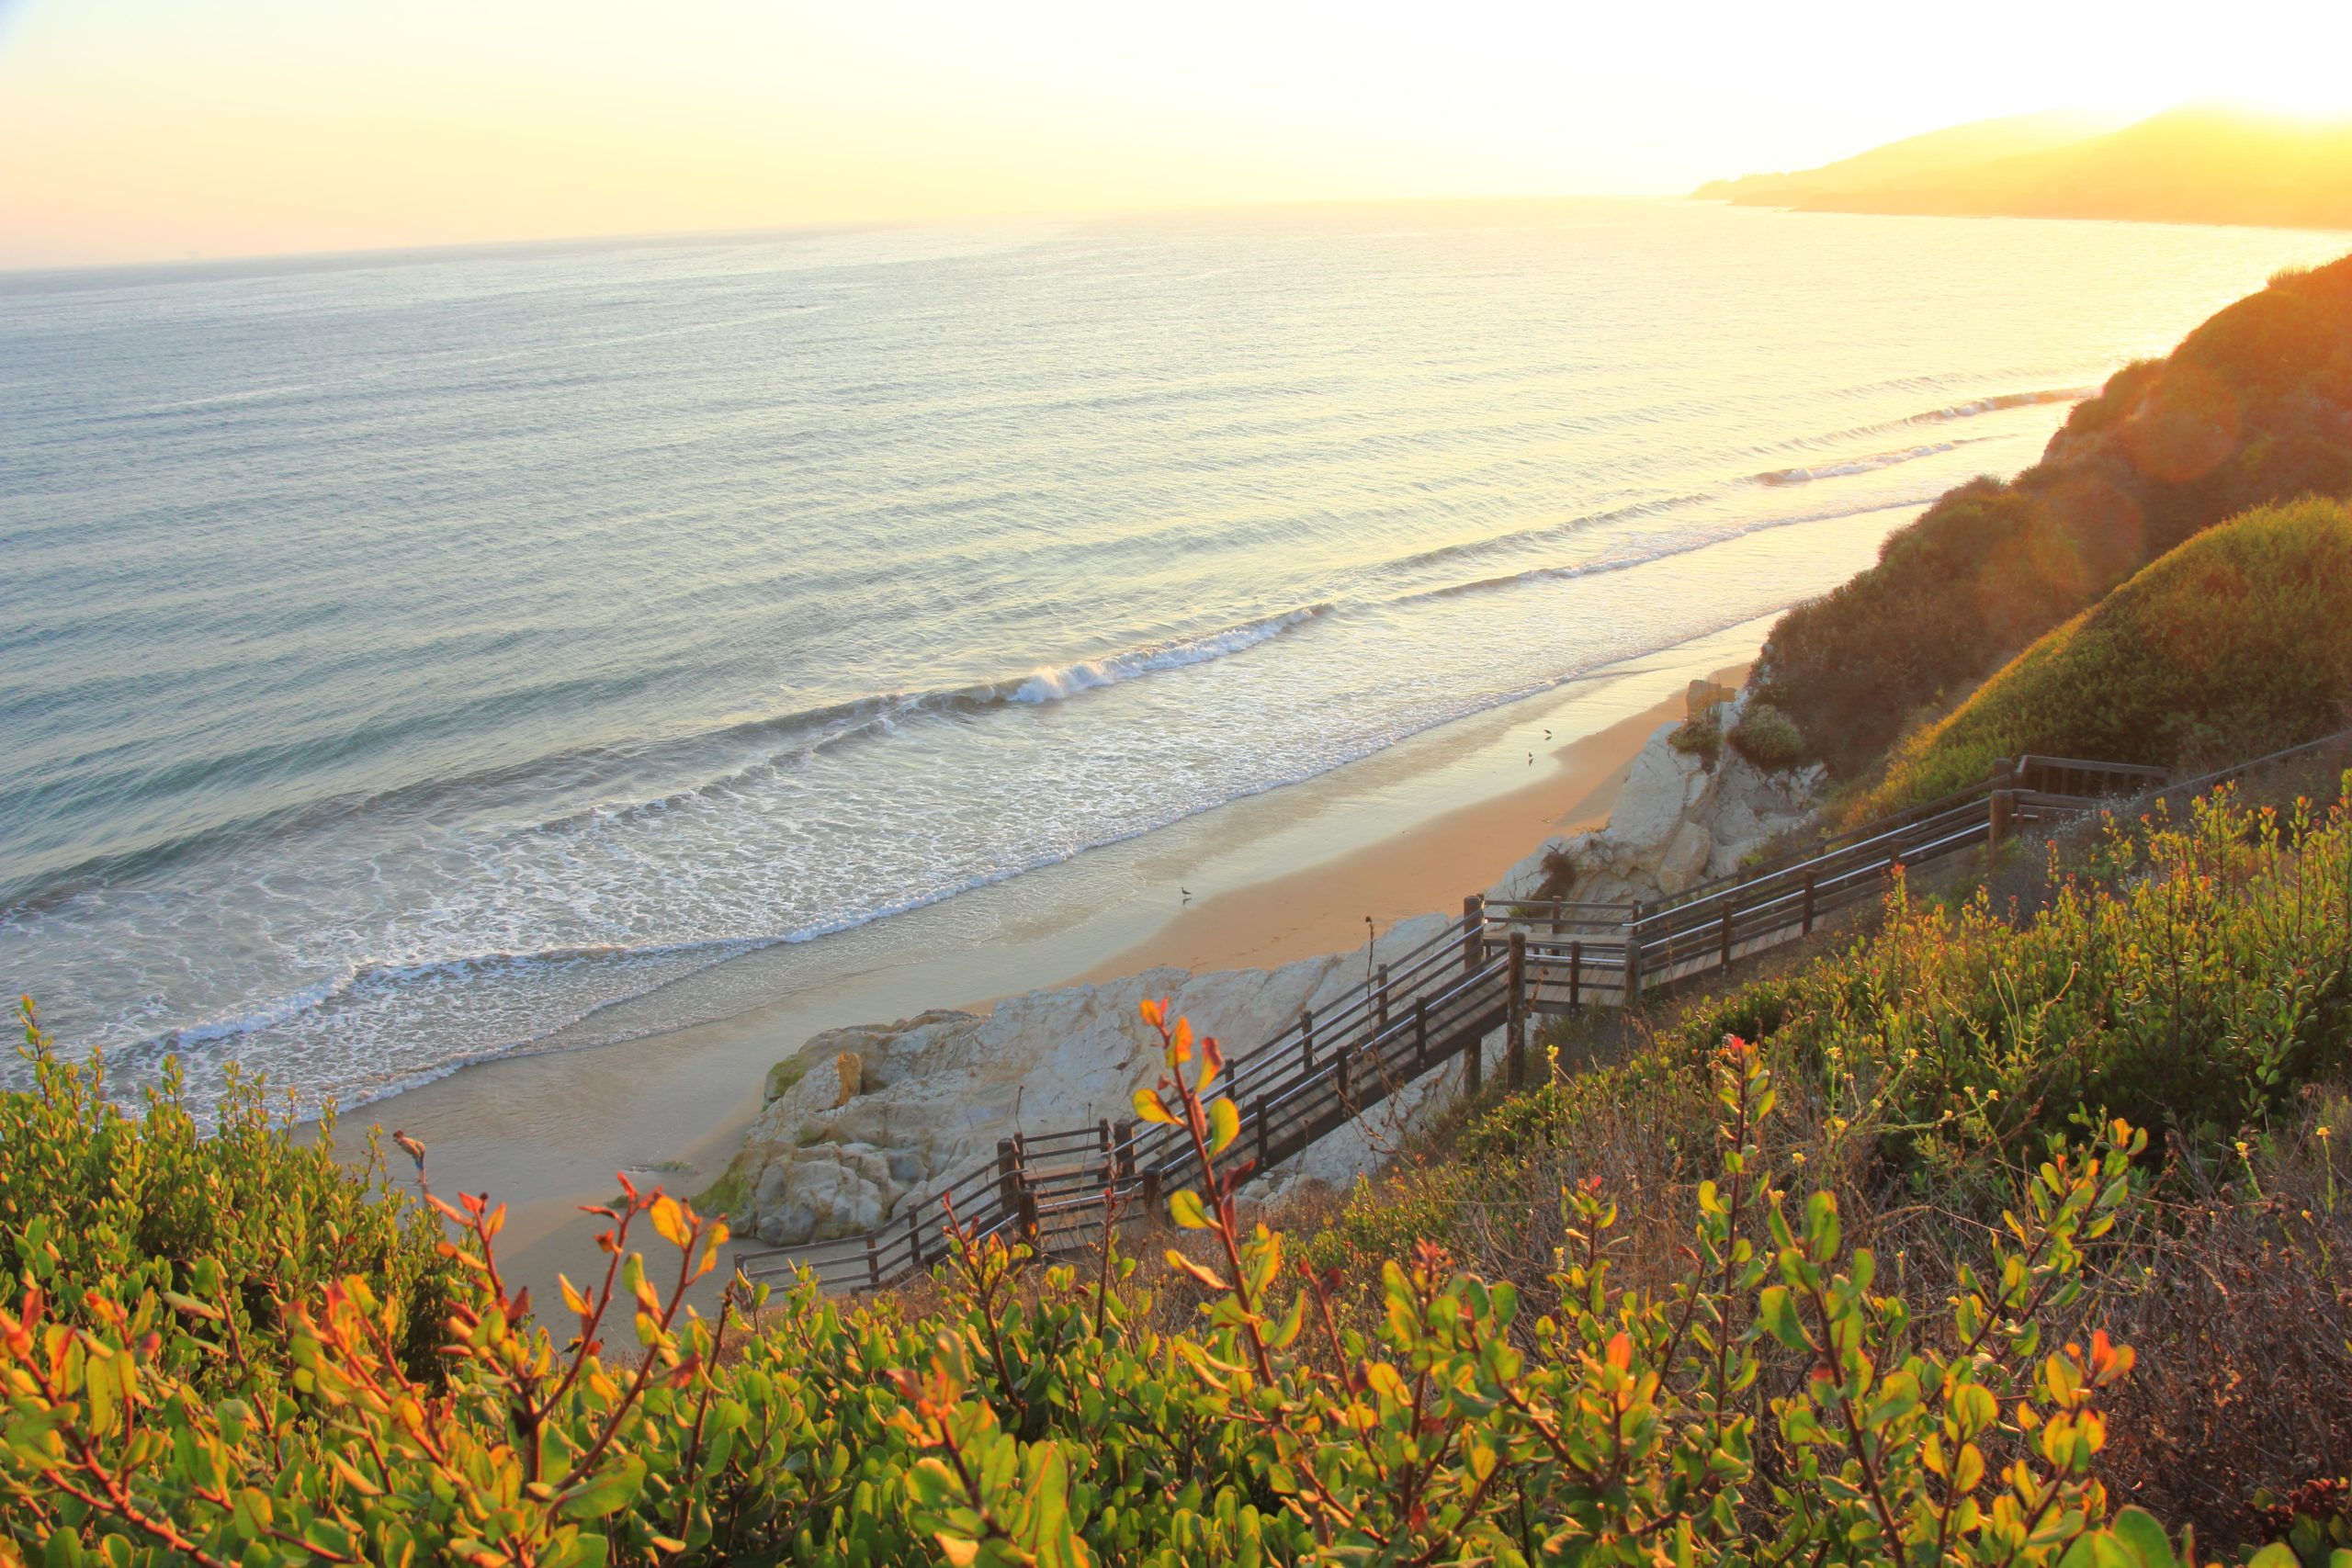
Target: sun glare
{"points": [[142, 130]]}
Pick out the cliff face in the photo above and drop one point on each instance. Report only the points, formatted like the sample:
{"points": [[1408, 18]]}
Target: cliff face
{"points": [[2254, 407], [1684, 817]]}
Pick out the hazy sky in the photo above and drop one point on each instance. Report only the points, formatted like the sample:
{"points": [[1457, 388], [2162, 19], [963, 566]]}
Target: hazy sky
{"points": [[136, 129]]}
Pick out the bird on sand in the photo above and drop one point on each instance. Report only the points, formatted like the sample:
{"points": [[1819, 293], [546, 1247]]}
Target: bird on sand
{"points": [[1187, 892]]}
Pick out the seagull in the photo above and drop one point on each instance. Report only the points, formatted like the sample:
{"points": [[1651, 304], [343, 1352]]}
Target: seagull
{"points": [[1187, 892]]}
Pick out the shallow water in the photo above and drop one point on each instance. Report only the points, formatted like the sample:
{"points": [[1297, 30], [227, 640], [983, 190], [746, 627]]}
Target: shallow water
{"points": [[406, 658]]}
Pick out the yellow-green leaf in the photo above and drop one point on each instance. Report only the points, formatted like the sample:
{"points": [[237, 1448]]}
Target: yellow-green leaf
{"points": [[1225, 1125]]}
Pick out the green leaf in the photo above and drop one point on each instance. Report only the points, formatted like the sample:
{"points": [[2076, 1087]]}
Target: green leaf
{"points": [[607, 1493], [2144, 1540], [1821, 1232], [1777, 1310], [1184, 1208]]}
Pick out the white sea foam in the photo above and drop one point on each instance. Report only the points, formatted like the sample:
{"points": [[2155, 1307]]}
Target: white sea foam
{"points": [[1848, 467], [1052, 683]]}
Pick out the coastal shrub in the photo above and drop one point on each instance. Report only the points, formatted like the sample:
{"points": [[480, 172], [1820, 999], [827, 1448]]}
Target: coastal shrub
{"points": [[1769, 1404], [2189, 975], [2253, 408], [2235, 645], [2189, 979], [93, 1196], [1776, 1401], [1702, 735], [1766, 736]]}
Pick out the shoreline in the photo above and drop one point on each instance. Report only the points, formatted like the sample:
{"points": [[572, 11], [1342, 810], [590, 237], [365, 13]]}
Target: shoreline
{"points": [[1287, 875], [1321, 909]]}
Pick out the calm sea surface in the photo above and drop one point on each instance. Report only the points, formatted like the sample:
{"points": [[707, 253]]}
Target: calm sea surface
{"points": [[403, 657]]}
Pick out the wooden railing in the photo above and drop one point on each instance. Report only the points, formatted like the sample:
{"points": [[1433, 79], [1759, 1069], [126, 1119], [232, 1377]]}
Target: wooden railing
{"points": [[1487, 970], [1443, 998]]}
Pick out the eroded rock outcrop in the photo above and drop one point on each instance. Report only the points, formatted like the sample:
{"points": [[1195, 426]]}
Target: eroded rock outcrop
{"points": [[860, 1120], [1683, 818]]}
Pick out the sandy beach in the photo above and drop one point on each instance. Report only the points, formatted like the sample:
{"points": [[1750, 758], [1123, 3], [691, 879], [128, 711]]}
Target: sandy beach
{"points": [[1276, 877], [1323, 908]]}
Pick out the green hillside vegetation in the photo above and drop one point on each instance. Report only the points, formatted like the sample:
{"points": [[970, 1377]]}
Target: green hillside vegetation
{"points": [[1932, 153], [2192, 977], [2253, 407], [2201, 163], [2235, 644], [1746, 1295]]}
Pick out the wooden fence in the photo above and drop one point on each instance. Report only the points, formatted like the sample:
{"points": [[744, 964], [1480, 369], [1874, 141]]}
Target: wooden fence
{"points": [[1488, 970]]}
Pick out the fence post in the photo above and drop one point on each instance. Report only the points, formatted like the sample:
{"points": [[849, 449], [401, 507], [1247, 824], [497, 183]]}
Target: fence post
{"points": [[1996, 831], [873, 1264], [1029, 1212], [1008, 1174], [1632, 981], [1806, 924], [1515, 1026], [1341, 1078], [1576, 976], [914, 1235], [1153, 1208], [1474, 1074], [1306, 1036], [1124, 1135], [1260, 1118], [1382, 995], [1474, 931], [1726, 932], [1420, 1032]]}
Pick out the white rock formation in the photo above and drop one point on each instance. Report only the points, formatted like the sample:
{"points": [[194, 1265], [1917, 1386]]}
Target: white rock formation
{"points": [[1679, 820], [861, 1120]]}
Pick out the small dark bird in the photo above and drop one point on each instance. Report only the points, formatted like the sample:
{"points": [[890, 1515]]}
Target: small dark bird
{"points": [[1547, 734], [1530, 758], [1187, 892]]}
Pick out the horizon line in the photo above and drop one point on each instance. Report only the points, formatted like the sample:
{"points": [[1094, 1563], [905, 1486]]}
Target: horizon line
{"points": [[364, 254]]}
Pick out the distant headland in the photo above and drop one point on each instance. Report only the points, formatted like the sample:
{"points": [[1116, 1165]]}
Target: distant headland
{"points": [[2201, 163]]}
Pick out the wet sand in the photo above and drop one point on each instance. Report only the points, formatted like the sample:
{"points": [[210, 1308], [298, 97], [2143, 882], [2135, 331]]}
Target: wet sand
{"points": [[1275, 877]]}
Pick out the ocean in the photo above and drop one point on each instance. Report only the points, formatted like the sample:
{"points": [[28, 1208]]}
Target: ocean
{"points": [[404, 658]]}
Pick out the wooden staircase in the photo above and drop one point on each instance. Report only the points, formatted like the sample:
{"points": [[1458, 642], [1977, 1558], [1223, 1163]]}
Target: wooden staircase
{"points": [[1486, 971]]}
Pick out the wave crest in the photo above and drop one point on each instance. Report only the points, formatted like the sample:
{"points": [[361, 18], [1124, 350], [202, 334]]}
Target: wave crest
{"points": [[1870, 464], [1050, 683]]}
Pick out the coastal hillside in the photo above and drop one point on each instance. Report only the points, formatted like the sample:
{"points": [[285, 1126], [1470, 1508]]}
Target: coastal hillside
{"points": [[2254, 407], [1687, 1292], [2187, 977], [1914, 157], [2235, 645], [2201, 163]]}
